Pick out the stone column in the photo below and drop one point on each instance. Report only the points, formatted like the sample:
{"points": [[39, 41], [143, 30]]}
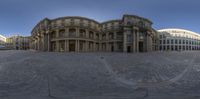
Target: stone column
{"points": [[66, 32], [94, 46], [57, 46], [107, 36], [137, 42], [49, 42], [38, 43], [100, 46], [77, 32], [84, 46], [57, 33], [94, 37], [134, 41], [46, 42], [107, 47], [115, 47], [87, 33], [67, 46], [87, 46], [115, 35], [43, 42], [78, 45], [147, 42], [100, 43], [150, 43], [35, 42], [124, 42]]}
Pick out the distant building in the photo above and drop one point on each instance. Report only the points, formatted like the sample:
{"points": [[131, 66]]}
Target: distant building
{"points": [[17, 42], [178, 40], [2, 41], [78, 34]]}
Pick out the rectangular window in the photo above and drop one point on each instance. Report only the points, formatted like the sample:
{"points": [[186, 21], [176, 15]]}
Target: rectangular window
{"points": [[129, 38], [161, 36], [183, 41], [163, 41], [167, 41], [176, 41], [160, 47], [168, 47], [172, 41]]}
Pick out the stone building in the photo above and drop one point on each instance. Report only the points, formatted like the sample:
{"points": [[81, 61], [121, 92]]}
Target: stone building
{"points": [[178, 40], [78, 34], [18, 42]]}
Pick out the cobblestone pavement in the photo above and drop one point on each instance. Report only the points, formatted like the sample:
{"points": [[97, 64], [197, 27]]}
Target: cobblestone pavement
{"points": [[46, 75]]}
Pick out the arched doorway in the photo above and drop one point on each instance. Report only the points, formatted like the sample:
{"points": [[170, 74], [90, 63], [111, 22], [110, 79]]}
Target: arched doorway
{"points": [[141, 47], [72, 45], [128, 49], [112, 48]]}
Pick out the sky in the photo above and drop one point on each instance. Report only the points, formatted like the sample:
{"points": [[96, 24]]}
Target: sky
{"points": [[18, 17]]}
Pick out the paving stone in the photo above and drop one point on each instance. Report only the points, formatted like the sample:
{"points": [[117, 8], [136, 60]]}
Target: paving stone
{"points": [[31, 74]]}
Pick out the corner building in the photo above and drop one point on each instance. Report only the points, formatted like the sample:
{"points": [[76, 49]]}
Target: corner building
{"points": [[78, 34]]}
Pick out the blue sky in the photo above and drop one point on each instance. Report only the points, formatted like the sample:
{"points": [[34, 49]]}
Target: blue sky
{"points": [[20, 16]]}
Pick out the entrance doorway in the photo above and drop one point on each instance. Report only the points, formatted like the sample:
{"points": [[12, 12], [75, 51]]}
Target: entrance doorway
{"points": [[17, 48], [141, 47], [128, 49], [112, 48], [72, 46]]}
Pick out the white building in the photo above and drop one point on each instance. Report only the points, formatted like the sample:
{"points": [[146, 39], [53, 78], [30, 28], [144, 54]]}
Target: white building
{"points": [[2, 41], [178, 39]]}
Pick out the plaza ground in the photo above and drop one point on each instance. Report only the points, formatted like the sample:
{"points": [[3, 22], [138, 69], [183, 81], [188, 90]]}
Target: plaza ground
{"points": [[51, 75]]}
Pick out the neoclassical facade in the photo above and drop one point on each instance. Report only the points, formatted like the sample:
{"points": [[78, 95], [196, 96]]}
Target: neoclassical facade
{"points": [[79, 34], [178, 40]]}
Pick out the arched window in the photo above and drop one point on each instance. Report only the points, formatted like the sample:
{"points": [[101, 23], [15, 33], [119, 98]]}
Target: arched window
{"points": [[119, 35], [141, 24], [72, 32], [104, 36], [91, 35], [111, 36], [141, 35], [82, 33], [129, 23], [97, 36], [62, 33], [53, 34]]}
